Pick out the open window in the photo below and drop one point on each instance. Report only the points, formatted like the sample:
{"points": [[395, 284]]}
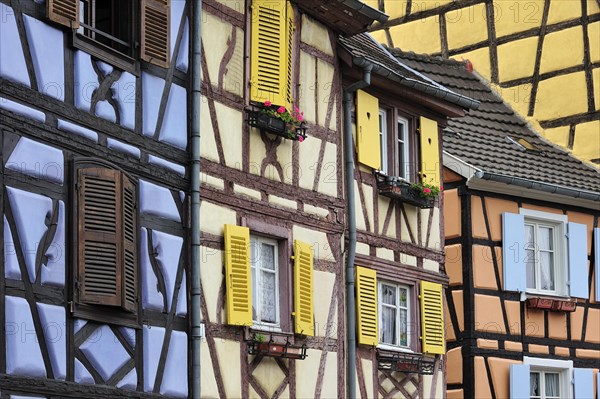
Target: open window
{"points": [[257, 265], [117, 31], [538, 378], [105, 279], [544, 254]]}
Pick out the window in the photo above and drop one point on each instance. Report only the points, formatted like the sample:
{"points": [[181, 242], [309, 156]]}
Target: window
{"points": [[386, 313], [105, 283], [264, 267], [272, 42], [544, 253], [259, 281], [394, 314], [550, 379], [396, 143], [111, 29], [544, 385]]}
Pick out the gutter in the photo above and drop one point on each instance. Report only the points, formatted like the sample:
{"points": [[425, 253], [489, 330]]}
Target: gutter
{"points": [[365, 10], [349, 176], [539, 186], [196, 317], [454, 98]]}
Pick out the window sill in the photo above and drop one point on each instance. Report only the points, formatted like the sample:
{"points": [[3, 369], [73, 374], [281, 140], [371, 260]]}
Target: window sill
{"points": [[105, 53], [404, 362], [556, 304]]}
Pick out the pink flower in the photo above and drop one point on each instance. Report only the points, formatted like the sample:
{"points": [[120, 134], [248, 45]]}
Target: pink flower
{"points": [[281, 109], [427, 190], [267, 103], [441, 188], [301, 138], [300, 118]]}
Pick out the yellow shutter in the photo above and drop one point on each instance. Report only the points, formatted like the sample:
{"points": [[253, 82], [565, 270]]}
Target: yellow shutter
{"points": [[430, 152], [367, 130], [432, 318], [366, 305], [237, 275], [269, 60], [303, 288]]}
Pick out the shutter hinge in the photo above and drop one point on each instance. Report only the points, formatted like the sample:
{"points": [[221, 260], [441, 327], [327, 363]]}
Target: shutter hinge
{"points": [[71, 306]]}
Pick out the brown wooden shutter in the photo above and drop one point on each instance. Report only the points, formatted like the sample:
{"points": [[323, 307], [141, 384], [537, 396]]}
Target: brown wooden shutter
{"points": [[129, 244], [100, 243], [156, 31], [64, 12]]}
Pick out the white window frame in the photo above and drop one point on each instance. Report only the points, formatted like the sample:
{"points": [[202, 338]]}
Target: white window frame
{"points": [[403, 169], [409, 315], [383, 139], [256, 269], [563, 367], [561, 270]]}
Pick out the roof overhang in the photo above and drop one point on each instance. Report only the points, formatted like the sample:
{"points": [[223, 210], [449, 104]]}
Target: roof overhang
{"points": [[347, 17], [478, 179]]}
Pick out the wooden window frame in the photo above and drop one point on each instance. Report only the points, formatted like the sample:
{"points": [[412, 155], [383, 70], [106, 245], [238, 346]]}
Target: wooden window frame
{"points": [[391, 156], [409, 311], [102, 313], [283, 237]]}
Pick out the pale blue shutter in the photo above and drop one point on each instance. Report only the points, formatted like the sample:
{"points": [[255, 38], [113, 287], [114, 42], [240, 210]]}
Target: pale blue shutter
{"points": [[578, 260], [513, 252], [519, 381], [583, 380], [597, 274], [598, 386]]}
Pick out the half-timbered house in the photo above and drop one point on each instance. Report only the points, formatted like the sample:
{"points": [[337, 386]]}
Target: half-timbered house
{"points": [[93, 140], [393, 191], [522, 253], [273, 211]]}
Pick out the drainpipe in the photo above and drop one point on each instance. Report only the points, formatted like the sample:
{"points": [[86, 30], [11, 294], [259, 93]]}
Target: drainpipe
{"points": [[195, 192], [349, 162]]}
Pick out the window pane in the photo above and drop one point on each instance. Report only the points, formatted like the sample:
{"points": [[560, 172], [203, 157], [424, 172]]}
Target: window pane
{"points": [[267, 256], [530, 259], [534, 384], [529, 237], [403, 294], [388, 325], [552, 385], [388, 294], [545, 238], [268, 307], [547, 270], [254, 294], [403, 328]]}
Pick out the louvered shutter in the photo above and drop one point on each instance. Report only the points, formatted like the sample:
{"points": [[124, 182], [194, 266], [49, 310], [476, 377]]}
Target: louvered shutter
{"points": [[366, 305], [597, 268], [99, 252], [129, 245], [432, 318], [64, 12], [237, 275], [367, 133], [289, 52], [513, 252], [269, 59], [155, 19], [578, 260], [303, 288], [519, 381], [430, 152], [583, 381]]}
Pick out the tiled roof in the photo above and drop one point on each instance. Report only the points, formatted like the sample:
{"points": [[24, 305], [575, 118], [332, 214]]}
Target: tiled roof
{"points": [[481, 138]]}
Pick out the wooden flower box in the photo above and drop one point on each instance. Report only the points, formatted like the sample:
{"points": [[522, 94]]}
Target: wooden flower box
{"points": [[403, 362], [556, 305], [276, 349], [539, 303], [564, 306], [271, 124]]}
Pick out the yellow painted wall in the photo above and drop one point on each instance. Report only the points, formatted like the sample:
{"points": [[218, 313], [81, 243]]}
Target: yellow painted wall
{"points": [[516, 26]]}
